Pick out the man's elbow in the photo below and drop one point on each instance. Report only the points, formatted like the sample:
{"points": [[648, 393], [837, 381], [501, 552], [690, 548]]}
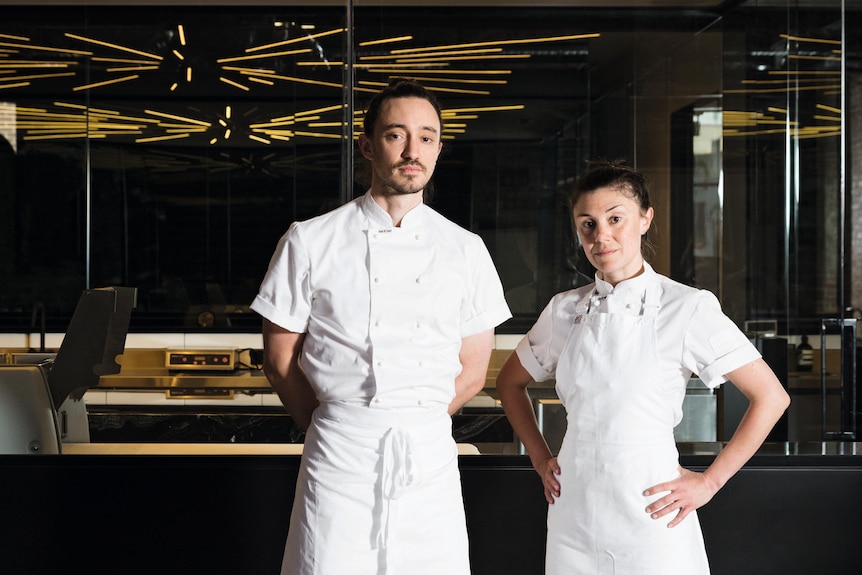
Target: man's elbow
{"points": [[475, 386]]}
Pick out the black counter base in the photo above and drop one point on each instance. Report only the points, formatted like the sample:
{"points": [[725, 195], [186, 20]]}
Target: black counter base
{"points": [[228, 515]]}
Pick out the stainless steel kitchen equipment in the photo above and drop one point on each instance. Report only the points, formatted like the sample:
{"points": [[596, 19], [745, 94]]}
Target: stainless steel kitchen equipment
{"points": [[41, 404]]}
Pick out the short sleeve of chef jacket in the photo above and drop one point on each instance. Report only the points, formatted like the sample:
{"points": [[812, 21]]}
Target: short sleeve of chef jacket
{"points": [[539, 350], [284, 297], [485, 306], [713, 344]]}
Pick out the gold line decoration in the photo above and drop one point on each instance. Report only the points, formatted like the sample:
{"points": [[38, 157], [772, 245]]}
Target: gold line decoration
{"points": [[235, 84], [161, 138], [459, 80], [265, 55], [114, 46], [297, 39], [448, 53], [452, 72], [443, 68], [385, 41], [180, 118], [500, 43], [432, 88], [35, 76], [105, 83], [805, 39], [132, 69], [33, 64], [419, 60], [47, 49], [828, 108], [124, 61]]}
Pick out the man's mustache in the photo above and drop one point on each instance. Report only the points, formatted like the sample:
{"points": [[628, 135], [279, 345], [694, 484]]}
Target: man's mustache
{"points": [[410, 163]]}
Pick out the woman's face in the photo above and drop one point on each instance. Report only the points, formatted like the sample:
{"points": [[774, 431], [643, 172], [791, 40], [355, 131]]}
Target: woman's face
{"points": [[610, 223]]}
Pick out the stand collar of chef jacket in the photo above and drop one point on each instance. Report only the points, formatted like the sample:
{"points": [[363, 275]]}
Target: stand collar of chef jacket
{"points": [[636, 285], [379, 219]]}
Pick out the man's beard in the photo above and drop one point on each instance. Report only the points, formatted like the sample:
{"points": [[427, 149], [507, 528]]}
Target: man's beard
{"points": [[396, 188]]}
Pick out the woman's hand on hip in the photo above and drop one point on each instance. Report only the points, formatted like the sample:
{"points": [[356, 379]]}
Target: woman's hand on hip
{"points": [[548, 470], [689, 491]]}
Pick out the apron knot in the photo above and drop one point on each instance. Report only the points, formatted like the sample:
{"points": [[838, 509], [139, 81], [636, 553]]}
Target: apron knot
{"points": [[397, 474], [398, 463]]}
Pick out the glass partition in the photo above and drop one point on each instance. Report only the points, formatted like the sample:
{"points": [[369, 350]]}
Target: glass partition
{"points": [[168, 147]]}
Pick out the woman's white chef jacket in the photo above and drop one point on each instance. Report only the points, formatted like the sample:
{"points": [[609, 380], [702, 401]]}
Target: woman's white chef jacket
{"points": [[622, 357], [694, 335], [384, 308]]}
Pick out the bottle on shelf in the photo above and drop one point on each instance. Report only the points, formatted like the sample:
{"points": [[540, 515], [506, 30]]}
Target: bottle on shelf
{"points": [[804, 355]]}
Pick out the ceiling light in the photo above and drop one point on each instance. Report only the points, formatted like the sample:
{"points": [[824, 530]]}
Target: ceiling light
{"points": [[828, 108], [235, 84], [266, 55], [47, 49], [105, 83], [161, 138], [297, 39], [114, 46], [180, 118], [429, 54], [499, 43], [804, 39], [385, 41], [460, 80]]}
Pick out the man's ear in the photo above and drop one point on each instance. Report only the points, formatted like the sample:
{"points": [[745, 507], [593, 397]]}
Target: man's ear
{"points": [[365, 146]]}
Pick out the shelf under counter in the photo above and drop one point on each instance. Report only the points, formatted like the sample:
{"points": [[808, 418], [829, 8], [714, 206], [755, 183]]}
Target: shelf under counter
{"points": [[151, 416]]}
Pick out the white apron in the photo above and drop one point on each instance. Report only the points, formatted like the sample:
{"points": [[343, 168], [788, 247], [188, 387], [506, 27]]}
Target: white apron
{"points": [[378, 493], [619, 441]]}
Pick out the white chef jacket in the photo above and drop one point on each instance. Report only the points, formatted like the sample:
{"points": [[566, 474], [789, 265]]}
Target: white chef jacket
{"points": [[622, 356], [384, 307], [693, 335]]}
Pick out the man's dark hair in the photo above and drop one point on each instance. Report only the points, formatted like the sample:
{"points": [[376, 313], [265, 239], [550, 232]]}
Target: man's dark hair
{"points": [[398, 88]]}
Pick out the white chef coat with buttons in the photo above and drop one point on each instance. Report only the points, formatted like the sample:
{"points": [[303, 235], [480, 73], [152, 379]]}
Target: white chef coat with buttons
{"points": [[384, 307]]}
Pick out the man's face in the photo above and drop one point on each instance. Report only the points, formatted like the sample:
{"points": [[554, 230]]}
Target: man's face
{"points": [[404, 148]]}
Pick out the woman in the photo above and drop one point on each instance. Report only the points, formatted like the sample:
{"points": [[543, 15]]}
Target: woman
{"points": [[622, 350]]}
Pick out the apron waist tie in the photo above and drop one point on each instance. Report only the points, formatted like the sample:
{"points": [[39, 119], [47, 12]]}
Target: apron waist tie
{"points": [[397, 474]]}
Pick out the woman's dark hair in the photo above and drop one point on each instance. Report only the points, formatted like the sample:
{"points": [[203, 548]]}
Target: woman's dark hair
{"points": [[616, 175], [398, 88]]}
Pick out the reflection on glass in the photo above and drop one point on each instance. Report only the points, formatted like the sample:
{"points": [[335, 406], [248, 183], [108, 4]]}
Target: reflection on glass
{"points": [[168, 149]]}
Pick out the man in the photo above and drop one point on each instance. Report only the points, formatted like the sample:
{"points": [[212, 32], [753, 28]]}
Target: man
{"points": [[378, 325]]}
